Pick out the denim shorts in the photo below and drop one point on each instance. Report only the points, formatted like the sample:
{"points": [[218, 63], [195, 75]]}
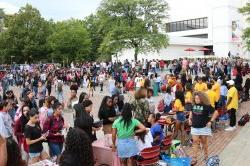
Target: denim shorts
{"points": [[127, 148], [33, 155], [180, 116], [55, 148]]}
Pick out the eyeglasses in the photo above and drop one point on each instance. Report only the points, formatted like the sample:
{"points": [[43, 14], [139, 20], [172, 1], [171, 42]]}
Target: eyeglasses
{"points": [[26, 110]]}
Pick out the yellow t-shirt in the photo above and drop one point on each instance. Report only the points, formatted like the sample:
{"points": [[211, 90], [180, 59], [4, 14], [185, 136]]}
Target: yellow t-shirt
{"points": [[188, 97], [233, 93], [216, 89], [178, 106], [200, 87], [212, 96], [142, 82]]}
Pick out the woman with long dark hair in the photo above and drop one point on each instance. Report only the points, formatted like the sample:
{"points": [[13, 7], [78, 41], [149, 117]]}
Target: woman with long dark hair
{"points": [[83, 96], [20, 127], [84, 120], [107, 114], [78, 149], [34, 138], [14, 156], [180, 115], [124, 129]]}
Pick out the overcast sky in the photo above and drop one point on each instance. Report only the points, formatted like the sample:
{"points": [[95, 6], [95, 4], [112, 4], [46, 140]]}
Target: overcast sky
{"points": [[55, 9]]}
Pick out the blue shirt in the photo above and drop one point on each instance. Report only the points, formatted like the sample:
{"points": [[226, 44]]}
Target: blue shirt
{"points": [[223, 90], [157, 130]]}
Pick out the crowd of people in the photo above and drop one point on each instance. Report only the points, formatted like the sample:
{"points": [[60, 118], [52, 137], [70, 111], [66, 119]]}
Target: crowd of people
{"points": [[196, 92]]}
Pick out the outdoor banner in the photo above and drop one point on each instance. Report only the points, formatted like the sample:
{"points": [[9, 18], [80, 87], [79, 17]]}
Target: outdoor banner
{"points": [[236, 33]]}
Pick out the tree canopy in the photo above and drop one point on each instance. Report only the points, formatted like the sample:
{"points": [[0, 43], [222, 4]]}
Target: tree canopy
{"points": [[246, 34], [25, 37], [117, 25], [135, 24], [70, 41]]}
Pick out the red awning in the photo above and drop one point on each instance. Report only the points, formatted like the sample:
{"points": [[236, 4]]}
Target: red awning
{"points": [[189, 49]]}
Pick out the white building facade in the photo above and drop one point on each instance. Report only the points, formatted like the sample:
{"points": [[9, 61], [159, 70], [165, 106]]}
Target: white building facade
{"points": [[212, 24]]}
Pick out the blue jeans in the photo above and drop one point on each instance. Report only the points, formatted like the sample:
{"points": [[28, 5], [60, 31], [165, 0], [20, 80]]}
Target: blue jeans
{"points": [[35, 89], [55, 148], [60, 97]]}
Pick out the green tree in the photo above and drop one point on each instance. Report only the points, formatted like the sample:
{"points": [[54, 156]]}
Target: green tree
{"points": [[25, 37], [246, 34], [70, 41], [96, 34], [2, 16], [136, 24]]}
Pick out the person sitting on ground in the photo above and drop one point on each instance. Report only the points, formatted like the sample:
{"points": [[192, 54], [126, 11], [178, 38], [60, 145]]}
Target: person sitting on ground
{"points": [[155, 129]]}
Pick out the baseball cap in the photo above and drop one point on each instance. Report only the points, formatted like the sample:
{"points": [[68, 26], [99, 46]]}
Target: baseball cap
{"points": [[230, 82]]}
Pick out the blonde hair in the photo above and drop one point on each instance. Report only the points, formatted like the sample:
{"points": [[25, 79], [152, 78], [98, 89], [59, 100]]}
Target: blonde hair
{"points": [[203, 97]]}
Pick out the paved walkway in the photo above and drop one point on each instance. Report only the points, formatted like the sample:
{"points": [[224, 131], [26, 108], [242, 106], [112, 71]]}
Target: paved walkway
{"points": [[220, 142], [237, 151]]}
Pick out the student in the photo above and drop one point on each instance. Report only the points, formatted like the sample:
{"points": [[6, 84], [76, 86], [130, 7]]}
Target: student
{"points": [[115, 99], [6, 130], [107, 113], [73, 96], [54, 126], [201, 124], [155, 129], [141, 106], [188, 97], [180, 115], [144, 140], [34, 138], [84, 120], [46, 110], [151, 100], [20, 127], [200, 86], [123, 130], [212, 96], [223, 93], [232, 104], [78, 149], [168, 99]]}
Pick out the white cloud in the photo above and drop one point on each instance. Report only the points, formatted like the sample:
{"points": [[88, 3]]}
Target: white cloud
{"points": [[9, 8]]}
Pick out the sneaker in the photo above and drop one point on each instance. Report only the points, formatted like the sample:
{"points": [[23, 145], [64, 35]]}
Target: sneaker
{"points": [[230, 128]]}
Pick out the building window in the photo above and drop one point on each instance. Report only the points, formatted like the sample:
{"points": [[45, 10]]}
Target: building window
{"points": [[199, 23]]}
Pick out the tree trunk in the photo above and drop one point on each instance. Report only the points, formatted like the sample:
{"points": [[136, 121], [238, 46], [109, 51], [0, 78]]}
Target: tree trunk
{"points": [[136, 53]]}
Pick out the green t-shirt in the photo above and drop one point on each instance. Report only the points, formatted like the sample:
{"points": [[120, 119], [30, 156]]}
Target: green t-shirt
{"points": [[124, 132]]}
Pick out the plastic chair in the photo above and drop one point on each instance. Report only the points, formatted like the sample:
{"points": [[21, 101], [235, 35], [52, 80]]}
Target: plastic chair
{"points": [[150, 156]]}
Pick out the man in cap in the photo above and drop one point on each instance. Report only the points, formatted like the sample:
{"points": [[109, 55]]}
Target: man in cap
{"points": [[232, 105]]}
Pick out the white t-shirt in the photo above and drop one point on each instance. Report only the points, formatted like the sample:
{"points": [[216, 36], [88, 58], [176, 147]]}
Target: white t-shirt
{"points": [[148, 142], [153, 64], [5, 125], [101, 78]]}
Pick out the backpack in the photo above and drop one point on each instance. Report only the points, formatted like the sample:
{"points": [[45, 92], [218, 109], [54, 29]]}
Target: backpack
{"points": [[244, 119], [161, 106], [213, 161]]}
